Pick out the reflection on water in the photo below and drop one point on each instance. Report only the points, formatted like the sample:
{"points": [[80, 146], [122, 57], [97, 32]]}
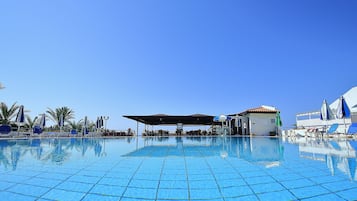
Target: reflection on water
{"points": [[265, 151], [338, 154], [56, 151]]}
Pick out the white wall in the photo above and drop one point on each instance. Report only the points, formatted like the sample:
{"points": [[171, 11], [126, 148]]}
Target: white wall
{"points": [[317, 123], [262, 123], [351, 100]]}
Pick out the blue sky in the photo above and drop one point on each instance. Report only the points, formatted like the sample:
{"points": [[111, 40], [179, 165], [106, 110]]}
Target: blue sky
{"points": [[184, 57]]}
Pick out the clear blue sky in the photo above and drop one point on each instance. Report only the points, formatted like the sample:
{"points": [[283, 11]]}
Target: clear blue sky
{"points": [[176, 57]]}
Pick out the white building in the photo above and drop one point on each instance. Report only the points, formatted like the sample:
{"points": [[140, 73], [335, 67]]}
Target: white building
{"points": [[258, 121], [312, 119]]}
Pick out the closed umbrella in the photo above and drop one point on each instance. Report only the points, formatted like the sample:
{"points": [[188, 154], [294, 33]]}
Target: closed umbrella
{"points": [[43, 121], [325, 113], [20, 117], [278, 122], [84, 126], [61, 122], [343, 111], [101, 122], [97, 124]]}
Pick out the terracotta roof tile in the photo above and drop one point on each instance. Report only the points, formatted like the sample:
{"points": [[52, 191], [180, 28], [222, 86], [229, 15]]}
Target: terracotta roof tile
{"points": [[261, 109]]}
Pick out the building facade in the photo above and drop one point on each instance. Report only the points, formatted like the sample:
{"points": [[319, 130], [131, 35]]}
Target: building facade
{"points": [[312, 119], [260, 121]]}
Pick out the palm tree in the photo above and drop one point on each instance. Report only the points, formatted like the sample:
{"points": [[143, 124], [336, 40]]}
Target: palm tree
{"points": [[6, 114], [55, 115], [30, 122], [76, 125]]}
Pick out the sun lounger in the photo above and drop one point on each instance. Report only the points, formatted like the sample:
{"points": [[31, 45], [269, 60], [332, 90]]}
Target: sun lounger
{"points": [[5, 131], [37, 130], [332, 129]]}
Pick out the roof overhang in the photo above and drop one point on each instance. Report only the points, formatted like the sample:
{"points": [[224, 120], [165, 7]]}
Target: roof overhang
{"points": [[162, 119]]}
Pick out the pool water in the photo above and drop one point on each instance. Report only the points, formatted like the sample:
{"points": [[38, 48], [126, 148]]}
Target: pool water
{"points": [[178, 168]]}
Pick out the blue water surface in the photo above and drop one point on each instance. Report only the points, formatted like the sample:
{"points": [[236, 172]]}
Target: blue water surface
{"points": [[178, 168]]}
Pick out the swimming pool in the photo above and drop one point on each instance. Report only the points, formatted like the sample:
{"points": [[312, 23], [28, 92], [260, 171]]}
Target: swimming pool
{"points": [[178, 168]]}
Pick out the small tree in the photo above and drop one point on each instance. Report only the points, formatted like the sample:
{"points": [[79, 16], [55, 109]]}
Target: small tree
{"points": [[6, 113], [30, 123], [55, 115]]}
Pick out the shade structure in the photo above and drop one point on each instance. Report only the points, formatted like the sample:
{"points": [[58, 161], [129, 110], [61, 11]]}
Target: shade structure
{"points": [[163, 119], [84, 129], [278, 121], [343, 111], [20, 117], [85, 121], [99, 122], [325, 113], [43, 121], [61, 121]]}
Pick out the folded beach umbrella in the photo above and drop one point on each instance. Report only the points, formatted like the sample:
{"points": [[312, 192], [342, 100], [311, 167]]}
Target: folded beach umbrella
{"points": [[85, 126], [343, 111], [61, 121], [278, 121], [325, 112], [20, 117], [43, 121], [101, 121], [97, 123], [85, 121]]}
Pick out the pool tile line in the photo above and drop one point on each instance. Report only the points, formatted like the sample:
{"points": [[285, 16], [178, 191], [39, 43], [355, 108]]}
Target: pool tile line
{"points": [[28, 196], [215, 179], [320, 195], [249, 185], [131, 178], [187, 172], [22, 183], [66, 180], [303, 177], [158, 185]]}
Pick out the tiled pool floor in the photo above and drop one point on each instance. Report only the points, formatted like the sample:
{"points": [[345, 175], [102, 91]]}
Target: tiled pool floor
{"points": [[176, 176]]}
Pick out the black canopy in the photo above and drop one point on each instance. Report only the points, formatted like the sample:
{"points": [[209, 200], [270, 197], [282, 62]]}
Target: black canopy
{"points": [[163, 119]]}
